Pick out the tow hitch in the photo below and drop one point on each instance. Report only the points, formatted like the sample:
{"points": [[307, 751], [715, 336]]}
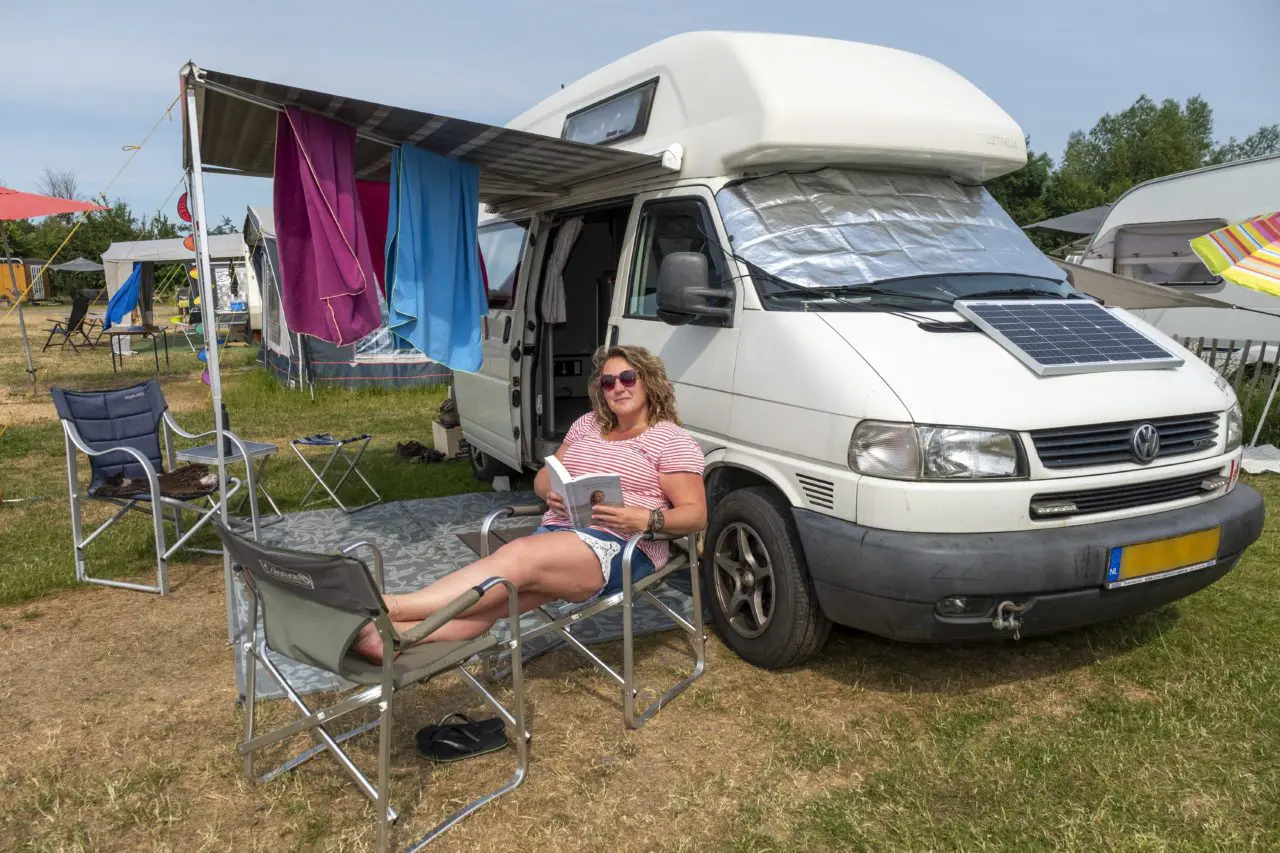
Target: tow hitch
{"points": [[1009, 617]]}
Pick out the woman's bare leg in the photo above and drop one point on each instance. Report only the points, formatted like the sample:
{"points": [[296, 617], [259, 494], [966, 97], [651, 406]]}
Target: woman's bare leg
{"points": [[546, 567], [369, 643], [558, 565]]}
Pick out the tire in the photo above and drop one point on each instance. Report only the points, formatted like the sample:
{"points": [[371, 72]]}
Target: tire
{"points": [[485, 467], [774, 582]]}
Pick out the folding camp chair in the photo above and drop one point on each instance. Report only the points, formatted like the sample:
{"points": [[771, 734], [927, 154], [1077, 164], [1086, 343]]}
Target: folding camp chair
{"points": [[625, 600], [74, 325], [337, 450], [117, 430], [313, 607]]}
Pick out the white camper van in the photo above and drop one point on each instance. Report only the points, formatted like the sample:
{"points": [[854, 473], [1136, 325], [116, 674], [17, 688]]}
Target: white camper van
{"points": [[913, 425], [1147, 235]]}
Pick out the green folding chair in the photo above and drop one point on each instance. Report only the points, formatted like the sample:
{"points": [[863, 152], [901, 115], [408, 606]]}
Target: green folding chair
{"points": [[313, 607]]}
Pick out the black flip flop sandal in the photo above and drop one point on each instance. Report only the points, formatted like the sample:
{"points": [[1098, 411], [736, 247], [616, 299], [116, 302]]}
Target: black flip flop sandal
{"points": [[447, 742]]}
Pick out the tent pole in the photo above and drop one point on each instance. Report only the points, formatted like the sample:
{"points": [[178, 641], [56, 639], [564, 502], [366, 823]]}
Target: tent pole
{"points": [[22, 321], [209, 312]]}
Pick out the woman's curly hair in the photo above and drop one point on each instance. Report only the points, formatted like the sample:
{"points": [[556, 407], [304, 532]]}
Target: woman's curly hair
{"points": [[658, 388]]}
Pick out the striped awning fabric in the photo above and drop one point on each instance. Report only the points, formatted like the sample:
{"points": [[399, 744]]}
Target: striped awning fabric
{"points": [[1247, 254], [237, 118]]}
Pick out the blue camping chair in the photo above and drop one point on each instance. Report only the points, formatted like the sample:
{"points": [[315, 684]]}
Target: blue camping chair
{"points": [[118, 431]]}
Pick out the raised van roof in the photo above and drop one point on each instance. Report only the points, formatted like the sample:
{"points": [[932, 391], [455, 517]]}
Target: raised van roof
{"points": [[739, 101]]}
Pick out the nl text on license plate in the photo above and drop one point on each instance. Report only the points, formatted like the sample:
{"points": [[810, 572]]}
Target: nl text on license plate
{"points": [[1162, 558]]}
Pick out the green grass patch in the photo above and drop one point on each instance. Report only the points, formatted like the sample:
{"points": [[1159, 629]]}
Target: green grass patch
{"points": [[33, 466]]}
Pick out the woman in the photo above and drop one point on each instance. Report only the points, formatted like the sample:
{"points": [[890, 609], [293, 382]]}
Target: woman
{"points": [[633, 430]]}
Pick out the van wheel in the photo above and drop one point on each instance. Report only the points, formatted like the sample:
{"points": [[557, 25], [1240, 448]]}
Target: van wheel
{"points": [[753, 569], [485, 467]]}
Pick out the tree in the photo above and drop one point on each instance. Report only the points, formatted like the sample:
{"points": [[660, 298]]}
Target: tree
{"points": [[226, 226], [1145, 141], [1265, 140], [60, 184]]}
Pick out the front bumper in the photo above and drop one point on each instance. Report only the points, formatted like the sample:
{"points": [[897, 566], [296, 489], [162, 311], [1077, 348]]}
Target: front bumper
{"points": [[888, 583]]}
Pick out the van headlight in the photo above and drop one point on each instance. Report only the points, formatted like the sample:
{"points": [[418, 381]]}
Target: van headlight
{"points": [[1235, 426], [913, 452]]}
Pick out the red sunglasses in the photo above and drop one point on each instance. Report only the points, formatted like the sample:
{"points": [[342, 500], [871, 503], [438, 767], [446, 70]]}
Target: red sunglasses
{"points": [[626, 377]]}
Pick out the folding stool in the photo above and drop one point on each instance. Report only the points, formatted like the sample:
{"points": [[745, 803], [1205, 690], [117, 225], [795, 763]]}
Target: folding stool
{"points": [[337, 450]]}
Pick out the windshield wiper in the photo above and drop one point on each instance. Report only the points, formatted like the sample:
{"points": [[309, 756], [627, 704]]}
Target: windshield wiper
{"points": [[852, 290], [1015, 292]]}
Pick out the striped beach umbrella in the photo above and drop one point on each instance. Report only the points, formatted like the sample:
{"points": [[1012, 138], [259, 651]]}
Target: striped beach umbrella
{"points": [[1247, 254]]}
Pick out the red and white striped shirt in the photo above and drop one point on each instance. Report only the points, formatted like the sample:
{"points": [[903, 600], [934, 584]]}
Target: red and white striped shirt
{"points": [[664, 448]]}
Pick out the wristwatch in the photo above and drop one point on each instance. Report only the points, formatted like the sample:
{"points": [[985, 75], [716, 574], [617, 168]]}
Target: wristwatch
{"points": [[656, 521]]}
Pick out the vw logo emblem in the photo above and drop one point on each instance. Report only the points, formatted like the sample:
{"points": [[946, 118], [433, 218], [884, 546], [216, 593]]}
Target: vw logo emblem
{"points": [[1145, 443]]}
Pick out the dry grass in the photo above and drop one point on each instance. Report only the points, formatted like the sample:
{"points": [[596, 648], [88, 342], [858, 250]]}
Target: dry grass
{"points": [[118, 717]]}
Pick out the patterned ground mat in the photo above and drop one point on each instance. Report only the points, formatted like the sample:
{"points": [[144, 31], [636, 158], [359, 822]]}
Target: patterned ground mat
{"points": [[422, 540]]}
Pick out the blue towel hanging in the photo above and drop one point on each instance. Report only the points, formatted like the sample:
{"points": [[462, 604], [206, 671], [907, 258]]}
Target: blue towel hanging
{"points": [[124, 300], [435, 294]]}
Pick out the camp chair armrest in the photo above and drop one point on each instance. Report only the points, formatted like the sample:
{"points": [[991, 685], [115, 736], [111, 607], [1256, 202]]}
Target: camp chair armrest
{"points": [[525, 511], [173, 426], [73, 435], [451, 610]]}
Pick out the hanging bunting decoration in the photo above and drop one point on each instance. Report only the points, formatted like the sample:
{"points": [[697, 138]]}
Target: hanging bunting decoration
{"points": [[183, 210], [193, 272], [189, 243], [204, 377], [203, 355]]}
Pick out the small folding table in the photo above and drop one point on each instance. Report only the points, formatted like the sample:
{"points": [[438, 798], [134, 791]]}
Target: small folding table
{"points": [[259, 450]]}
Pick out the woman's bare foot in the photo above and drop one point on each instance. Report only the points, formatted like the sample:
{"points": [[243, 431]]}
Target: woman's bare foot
{"points": [[368, 643]]}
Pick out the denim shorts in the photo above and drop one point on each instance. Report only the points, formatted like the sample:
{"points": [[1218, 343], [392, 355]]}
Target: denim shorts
{"points": [[608, 549]]}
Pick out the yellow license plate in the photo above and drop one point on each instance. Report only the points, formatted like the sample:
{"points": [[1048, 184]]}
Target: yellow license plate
{"points": [[1162, 558]]}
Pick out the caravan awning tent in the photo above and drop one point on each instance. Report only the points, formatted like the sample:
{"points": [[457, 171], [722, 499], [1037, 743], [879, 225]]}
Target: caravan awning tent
{"points": [[119, 258]]}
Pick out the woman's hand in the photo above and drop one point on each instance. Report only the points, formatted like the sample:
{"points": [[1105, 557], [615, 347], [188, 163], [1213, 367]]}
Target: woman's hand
{"points": [[624, 519], [556, 503]]}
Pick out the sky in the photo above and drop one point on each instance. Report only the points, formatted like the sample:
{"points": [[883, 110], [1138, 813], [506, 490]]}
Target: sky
{"points": [[1054, 67]]}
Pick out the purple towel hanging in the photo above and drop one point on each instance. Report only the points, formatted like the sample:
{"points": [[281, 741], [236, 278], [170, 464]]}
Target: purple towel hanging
{"points": [[326, 269]]}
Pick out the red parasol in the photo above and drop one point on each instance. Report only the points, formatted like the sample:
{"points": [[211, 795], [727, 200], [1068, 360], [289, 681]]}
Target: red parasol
{"points": [[20, 205]]}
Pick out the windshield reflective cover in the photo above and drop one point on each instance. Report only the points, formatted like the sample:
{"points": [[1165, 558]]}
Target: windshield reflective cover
{"points": [[847, 238]]}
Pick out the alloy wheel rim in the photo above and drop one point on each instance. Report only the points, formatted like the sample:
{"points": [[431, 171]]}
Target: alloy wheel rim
{"points": [[744, 580]]}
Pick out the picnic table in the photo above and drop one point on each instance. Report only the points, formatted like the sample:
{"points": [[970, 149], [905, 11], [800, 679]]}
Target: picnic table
{"points": [[154, 333]]}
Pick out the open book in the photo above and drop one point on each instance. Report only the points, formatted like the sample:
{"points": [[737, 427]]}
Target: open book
{"points": [[583, 492]]}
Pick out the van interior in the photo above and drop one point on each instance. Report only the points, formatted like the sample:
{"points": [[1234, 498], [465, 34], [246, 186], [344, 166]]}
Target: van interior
{"points": [[563, 362]]}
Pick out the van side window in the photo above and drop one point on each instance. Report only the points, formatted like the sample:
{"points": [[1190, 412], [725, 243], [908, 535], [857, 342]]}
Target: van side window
{"points": [[502, 250], [678, 225]]}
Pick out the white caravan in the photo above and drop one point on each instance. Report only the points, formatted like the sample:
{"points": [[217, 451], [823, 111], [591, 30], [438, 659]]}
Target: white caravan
{"points": [[818, 271], [1147, 235]]}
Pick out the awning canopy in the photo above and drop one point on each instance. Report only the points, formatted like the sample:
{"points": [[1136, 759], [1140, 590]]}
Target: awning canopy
{"points": [[78, 265], [119, 258], [221, 246], [1080, 222], [237, 119], [1124, 292]]}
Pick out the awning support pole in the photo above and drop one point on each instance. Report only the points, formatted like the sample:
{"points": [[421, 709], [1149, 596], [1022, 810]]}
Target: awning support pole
{"points": [[209, 308]]}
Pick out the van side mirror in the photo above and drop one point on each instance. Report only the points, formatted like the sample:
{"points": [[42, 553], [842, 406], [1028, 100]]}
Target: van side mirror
{"points": [[685, 292]]}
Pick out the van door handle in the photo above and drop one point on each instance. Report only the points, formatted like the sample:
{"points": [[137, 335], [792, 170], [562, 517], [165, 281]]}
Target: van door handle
{"points": [[506, 330], [613, 336]]}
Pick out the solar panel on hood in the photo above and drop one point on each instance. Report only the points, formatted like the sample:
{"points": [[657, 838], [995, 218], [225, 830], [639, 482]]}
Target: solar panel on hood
{"points": [[1053, 337]]}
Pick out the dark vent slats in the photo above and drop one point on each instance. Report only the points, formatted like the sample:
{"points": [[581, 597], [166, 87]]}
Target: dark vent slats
{"points": [[1089, 501], [1108, 444], [820, 493]]}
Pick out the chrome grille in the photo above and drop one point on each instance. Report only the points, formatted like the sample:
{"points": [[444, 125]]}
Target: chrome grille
{"points": [[1051, 505], [1108, 444], [821, 493]]}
